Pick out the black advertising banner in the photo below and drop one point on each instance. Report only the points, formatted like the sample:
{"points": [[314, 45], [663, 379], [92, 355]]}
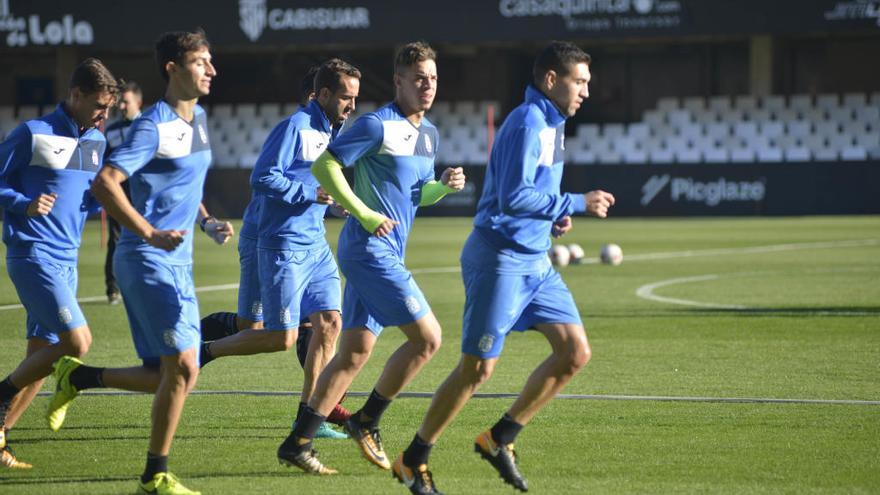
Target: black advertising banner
{"points": [[839, 188], [128, 24]]}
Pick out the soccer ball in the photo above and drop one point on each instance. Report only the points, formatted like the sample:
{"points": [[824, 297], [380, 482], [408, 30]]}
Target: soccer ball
{"points": [[611, 254], [576, 254], [559, 255]]}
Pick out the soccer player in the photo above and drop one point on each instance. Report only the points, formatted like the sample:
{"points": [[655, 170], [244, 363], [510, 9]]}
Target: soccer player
{"points": [[392, 151], [509, 282], [46, 165], [165, 159], [250, 306], [129, 105], [297, 272]]}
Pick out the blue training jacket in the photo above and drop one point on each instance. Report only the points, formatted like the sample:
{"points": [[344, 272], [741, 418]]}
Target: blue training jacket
{"points": [[42, 156]]}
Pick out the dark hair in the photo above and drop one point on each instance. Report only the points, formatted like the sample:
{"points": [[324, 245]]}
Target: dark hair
{"points": [[412, 53], [92, 76], [307, 86], [558, 56], [329, 74], [131, 87], [172, 47]]}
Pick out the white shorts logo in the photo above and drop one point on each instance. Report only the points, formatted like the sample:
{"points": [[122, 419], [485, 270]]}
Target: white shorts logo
{"points": [[169, 338], [257, 308], [285, 316], [65, 315], [412, 304], [486, 342]]}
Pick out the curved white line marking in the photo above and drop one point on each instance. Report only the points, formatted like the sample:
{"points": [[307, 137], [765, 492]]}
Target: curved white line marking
{"points": [[647, 292]]}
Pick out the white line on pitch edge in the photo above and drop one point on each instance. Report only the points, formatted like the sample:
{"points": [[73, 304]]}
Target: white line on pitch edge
{"points": [[590, 261]]}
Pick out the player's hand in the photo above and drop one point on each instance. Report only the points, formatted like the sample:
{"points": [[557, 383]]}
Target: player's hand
{"points": [[322, 197], [598, 202], [219, 231], [385, 227], [337, 210], [561, 227], [42, 205], [166, 240], [453, 178]]}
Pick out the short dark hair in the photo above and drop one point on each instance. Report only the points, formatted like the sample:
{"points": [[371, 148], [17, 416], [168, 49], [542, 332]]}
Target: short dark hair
{"points": [[329, 74], [131, 87], [172, 47], [92, 76], [307, 86], [558, 56], [412, 53]]}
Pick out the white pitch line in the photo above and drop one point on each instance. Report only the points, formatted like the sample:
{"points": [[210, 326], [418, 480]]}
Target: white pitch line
{"points": [[510, 395], [589, 261], [647, 292]]}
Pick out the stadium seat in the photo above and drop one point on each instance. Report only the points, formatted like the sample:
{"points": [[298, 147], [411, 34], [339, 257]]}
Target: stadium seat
{"points": [[220, 111], [800, 102], [719, 103], [854, 101], [745, 103], [716, 155], [742, 155], [797, 154], [661, 155], [853, 153], [769, 154], [694, 104], [688, 155], [773, 103]]}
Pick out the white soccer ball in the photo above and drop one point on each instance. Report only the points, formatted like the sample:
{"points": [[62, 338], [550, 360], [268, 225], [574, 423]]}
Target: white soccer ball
{"points": [[559, 255], [576, 254], [611, 254]]}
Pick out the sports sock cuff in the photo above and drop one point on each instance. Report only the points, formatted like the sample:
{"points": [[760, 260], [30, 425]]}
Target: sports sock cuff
{"points": [[85, 377], [506, 430], [308, 423], [373, 409], [7, 390], [155, 464], [418, 452]]}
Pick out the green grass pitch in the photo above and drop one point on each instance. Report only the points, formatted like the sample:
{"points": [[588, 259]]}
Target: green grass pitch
{"points": [[783, 308]]}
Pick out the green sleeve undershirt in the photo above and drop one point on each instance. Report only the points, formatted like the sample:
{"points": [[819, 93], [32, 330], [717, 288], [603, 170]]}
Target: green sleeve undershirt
{"points": [[328, 171], [434, 191]]}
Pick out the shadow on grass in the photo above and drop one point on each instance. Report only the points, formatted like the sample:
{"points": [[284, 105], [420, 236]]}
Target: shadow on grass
{"points": [[10, 481]]}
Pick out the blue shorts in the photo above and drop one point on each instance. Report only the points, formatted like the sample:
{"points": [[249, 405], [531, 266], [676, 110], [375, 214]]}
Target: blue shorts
{"points": [[162, 308], [250, 306], [47, 291], [496, 303], [380, 292], [296, 284]]}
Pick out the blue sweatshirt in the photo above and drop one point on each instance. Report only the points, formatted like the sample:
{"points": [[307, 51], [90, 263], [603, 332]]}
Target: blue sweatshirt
{"points": [[166, 159], [42, 156], [283, 184], [392, 160], [521, 197]]}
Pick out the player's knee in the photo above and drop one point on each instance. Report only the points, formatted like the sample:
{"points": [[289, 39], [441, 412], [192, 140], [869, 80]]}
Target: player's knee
{"points": [[287, 341], [579, 355], [430, 345], [477, 374]]}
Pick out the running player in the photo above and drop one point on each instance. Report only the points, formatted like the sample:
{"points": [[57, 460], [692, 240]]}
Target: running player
{"points": [[509, 282], [296, 268], [46, 165], [392, 151], [165, 160]]}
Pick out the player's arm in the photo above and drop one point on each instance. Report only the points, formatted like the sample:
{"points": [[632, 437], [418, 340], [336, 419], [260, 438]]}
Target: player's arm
{"points": [[452, 180], [516, 182], [107, 188], [328, 171], [217, 230], [15, 152], [268, 177]]}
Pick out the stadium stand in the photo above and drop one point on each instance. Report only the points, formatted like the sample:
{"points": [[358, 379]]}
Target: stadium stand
{"points": [[719, 129]]}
